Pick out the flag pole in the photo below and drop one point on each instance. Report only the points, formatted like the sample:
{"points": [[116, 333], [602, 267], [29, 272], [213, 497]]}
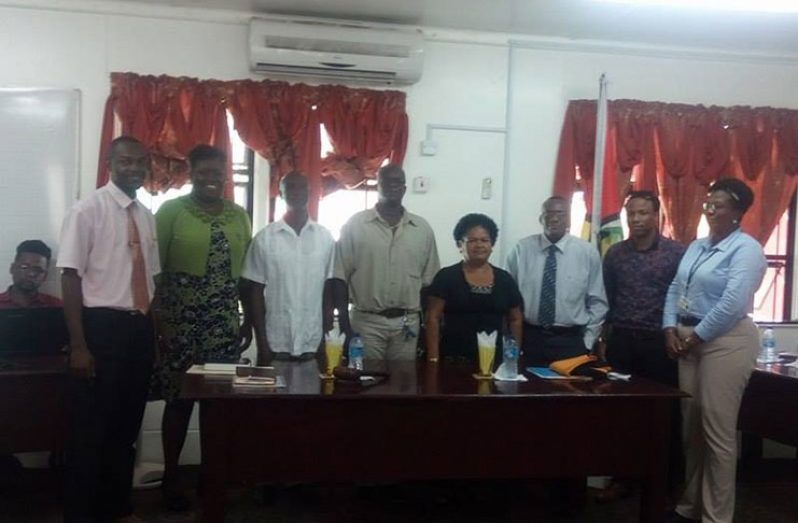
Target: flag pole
{"points": [[598, 161]]}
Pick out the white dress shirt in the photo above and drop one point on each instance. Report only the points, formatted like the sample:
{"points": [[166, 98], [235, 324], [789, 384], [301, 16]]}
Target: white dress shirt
{"points": [[580, 298], [294, 268], [94, 242]]}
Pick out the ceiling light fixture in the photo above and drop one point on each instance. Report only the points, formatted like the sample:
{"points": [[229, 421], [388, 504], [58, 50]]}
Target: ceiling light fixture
{"points": [[764, 6]]}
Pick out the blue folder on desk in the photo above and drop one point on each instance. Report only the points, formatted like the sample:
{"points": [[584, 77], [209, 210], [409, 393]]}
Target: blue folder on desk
{"points": [[548, 374]]}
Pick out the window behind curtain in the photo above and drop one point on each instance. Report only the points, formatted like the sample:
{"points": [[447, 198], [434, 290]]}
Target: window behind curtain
{"points": [[243, 172]]}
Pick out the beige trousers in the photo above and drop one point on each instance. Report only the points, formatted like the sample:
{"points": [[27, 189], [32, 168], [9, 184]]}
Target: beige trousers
{"points": [[715, 375], [387, 338]]}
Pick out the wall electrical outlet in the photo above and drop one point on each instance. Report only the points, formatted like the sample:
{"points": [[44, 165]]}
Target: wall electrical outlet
{"points": [[487, 188], [429, 148], [420, 184]]}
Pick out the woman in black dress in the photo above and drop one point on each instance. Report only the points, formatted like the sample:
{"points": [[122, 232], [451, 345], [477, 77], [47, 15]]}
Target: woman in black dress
{"points": [[471, 296]]}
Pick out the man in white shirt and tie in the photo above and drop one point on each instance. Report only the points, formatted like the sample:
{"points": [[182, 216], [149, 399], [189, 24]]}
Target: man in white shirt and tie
{"points": [[560, 279], [109, 258], [287, 265]]}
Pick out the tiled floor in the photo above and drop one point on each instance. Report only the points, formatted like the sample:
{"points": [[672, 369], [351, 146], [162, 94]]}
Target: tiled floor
{"points": [[766, 495]]}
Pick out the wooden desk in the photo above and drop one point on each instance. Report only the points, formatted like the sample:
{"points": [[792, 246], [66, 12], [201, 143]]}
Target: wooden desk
{"points": [[32, 404], [769, 408], [424, 424]]}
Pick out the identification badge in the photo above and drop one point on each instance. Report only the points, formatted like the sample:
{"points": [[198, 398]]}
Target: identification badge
{"points": [[406, 330], [684, 304]]}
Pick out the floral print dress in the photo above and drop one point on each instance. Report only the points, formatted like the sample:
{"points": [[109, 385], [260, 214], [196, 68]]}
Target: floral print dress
{"points": [[200, 317]]}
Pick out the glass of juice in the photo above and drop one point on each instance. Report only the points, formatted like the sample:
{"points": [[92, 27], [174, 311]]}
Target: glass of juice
{"points": [[333, 351], [486, 355]]}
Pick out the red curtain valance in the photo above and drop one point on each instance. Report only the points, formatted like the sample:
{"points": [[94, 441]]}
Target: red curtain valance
{"points": [[366, 128], [281, 121], [169, 116], [677, 150]]}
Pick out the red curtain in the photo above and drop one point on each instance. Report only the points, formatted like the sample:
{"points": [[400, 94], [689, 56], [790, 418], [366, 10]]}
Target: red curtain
{"points": [[365, 128], [577, 157], [281, 121], [169, 116], [678, 150]]}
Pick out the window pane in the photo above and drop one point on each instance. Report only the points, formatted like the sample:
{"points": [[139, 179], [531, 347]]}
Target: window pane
{"points": [[153, 202], [326, 145], [578, 211], [769, 299], [777, 243], [239, 152], [240, 195], [335, 209]]}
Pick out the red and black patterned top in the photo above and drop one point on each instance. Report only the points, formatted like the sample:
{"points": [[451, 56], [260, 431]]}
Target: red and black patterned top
{"points": [[41, 300], [637, 282]]}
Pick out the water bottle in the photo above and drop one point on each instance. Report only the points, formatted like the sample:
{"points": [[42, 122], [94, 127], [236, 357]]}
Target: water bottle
{"points": [[510, 353], [356, 352], [768, 352]]}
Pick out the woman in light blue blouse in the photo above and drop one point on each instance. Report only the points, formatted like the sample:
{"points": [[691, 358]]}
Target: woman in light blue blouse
{"points": [[708, 328]]}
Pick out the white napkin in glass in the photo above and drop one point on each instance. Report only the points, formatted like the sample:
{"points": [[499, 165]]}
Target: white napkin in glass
{"points": [[502, 374], [335, 337], [486, 340]]}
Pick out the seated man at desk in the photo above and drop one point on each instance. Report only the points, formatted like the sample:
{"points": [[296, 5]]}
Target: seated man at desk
{"points": [[28, 272]]}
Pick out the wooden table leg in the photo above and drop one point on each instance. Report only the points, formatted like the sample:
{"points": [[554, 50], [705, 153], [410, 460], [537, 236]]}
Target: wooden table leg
{"points": [[750, 451], [655, 484], [213, 472]]}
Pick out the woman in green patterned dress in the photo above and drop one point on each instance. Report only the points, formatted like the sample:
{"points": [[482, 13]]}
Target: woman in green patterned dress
{"points": [[202, 239]]}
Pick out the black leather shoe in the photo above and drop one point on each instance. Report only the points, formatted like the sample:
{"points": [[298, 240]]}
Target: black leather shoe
{"points": [[675, 517], [175, 501]]}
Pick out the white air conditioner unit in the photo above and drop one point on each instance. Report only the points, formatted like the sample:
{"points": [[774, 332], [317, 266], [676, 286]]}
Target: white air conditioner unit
{"points": [[336, 50]]}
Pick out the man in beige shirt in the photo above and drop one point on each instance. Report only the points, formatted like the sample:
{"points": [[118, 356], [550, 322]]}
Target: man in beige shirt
{"points": [[383, 260]]}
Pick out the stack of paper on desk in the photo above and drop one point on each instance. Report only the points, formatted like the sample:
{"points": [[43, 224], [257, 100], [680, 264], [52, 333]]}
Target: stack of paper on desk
{"points": [[257, 377], [214, 369]]}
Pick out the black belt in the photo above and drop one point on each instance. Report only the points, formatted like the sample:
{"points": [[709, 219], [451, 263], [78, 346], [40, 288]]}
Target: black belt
{"points": [[285, 356], [118, 312], [390, 313], [688, 321], [557, 329]]}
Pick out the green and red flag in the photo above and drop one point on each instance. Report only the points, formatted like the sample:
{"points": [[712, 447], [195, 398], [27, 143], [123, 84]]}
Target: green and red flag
{"points": [[602, 198]]}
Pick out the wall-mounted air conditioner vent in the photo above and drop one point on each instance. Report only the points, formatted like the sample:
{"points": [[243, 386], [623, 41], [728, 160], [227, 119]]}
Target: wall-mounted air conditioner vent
{"points": [[344, 51]]}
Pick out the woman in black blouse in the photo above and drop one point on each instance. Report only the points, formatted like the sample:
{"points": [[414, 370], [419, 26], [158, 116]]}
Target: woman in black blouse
{"points": [[471, 296]]}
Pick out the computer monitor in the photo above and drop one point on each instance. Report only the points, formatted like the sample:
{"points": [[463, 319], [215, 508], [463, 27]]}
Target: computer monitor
{"points": [[34, 331]]}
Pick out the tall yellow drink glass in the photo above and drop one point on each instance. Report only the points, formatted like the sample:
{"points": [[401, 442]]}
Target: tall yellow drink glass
{"points": [[333, 351], [486, 355]]}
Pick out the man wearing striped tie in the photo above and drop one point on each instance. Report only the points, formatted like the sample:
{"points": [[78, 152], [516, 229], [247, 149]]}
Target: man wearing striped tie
{"points": [[108, 257], [560, 279]]}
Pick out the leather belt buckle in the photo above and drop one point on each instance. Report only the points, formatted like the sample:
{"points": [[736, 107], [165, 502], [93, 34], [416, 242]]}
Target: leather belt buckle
{"points": [[688, 321], [392, 313]]}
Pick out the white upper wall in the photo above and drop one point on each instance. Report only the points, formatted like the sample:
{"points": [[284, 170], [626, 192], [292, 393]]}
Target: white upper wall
{"points": [[543, 82], [464, 84]]}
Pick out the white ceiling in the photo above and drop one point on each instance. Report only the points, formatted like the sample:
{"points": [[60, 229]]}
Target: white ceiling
{"points": [[571, 19]]}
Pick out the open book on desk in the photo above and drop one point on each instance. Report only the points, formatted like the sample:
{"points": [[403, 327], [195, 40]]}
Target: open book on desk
{"points": [[548, 374]]}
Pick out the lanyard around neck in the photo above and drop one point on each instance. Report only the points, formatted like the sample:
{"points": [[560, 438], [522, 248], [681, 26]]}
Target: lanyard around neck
{"points": [[697, 265]]}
